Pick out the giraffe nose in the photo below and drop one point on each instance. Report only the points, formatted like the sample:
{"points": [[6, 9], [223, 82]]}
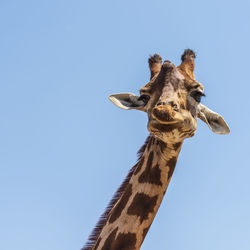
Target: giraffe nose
{"points": [[166, 114]]}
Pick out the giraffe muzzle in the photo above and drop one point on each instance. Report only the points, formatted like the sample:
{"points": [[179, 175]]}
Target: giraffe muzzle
{"points": [[166, 115]]}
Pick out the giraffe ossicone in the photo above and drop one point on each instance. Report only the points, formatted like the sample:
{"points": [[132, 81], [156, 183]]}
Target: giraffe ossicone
{"points": [[172, 101]]}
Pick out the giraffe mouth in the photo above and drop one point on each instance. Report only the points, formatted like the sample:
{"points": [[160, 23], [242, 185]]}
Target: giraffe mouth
{"points": [[157, 128]]}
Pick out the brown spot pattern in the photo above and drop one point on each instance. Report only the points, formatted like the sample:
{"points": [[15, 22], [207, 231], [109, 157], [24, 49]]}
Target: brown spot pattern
{"points": [[142, 205], [151, 174], [125, 241], [171, 164], [110, 241], [121, 204]]}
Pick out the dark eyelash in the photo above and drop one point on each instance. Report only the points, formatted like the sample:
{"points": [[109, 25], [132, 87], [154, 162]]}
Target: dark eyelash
{"points": [[197, 95]]}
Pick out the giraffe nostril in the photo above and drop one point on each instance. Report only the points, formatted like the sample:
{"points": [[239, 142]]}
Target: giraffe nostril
{"points": [[173, 105], [161, 103]]}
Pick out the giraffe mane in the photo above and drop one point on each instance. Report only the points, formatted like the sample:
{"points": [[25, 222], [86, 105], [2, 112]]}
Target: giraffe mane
{"points": [[104, 217]]}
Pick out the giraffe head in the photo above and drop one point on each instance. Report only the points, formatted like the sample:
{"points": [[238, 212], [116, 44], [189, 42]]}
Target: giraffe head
{"points": [[172, 100]]}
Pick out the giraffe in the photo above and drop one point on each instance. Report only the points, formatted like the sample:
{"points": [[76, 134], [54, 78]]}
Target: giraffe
{"points": [[172, 101]]}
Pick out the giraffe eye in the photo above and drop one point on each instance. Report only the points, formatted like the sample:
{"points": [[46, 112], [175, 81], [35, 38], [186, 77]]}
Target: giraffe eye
{"points": [[144, 98], [197, 95]]}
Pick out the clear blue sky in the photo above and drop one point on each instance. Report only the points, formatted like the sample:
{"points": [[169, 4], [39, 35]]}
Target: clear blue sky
{"points": [[64, 148]]}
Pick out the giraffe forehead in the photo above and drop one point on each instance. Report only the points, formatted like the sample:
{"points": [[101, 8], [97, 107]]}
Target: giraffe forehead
{"points": [[156, 86], [180, 79], [184, 86]]}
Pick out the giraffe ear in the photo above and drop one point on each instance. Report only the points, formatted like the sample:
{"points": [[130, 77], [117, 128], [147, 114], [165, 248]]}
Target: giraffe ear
{"points": [[127, 101], [214, 121]]}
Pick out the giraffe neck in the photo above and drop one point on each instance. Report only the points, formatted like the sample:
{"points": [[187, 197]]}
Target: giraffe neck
{"points": [[130, 217]]}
